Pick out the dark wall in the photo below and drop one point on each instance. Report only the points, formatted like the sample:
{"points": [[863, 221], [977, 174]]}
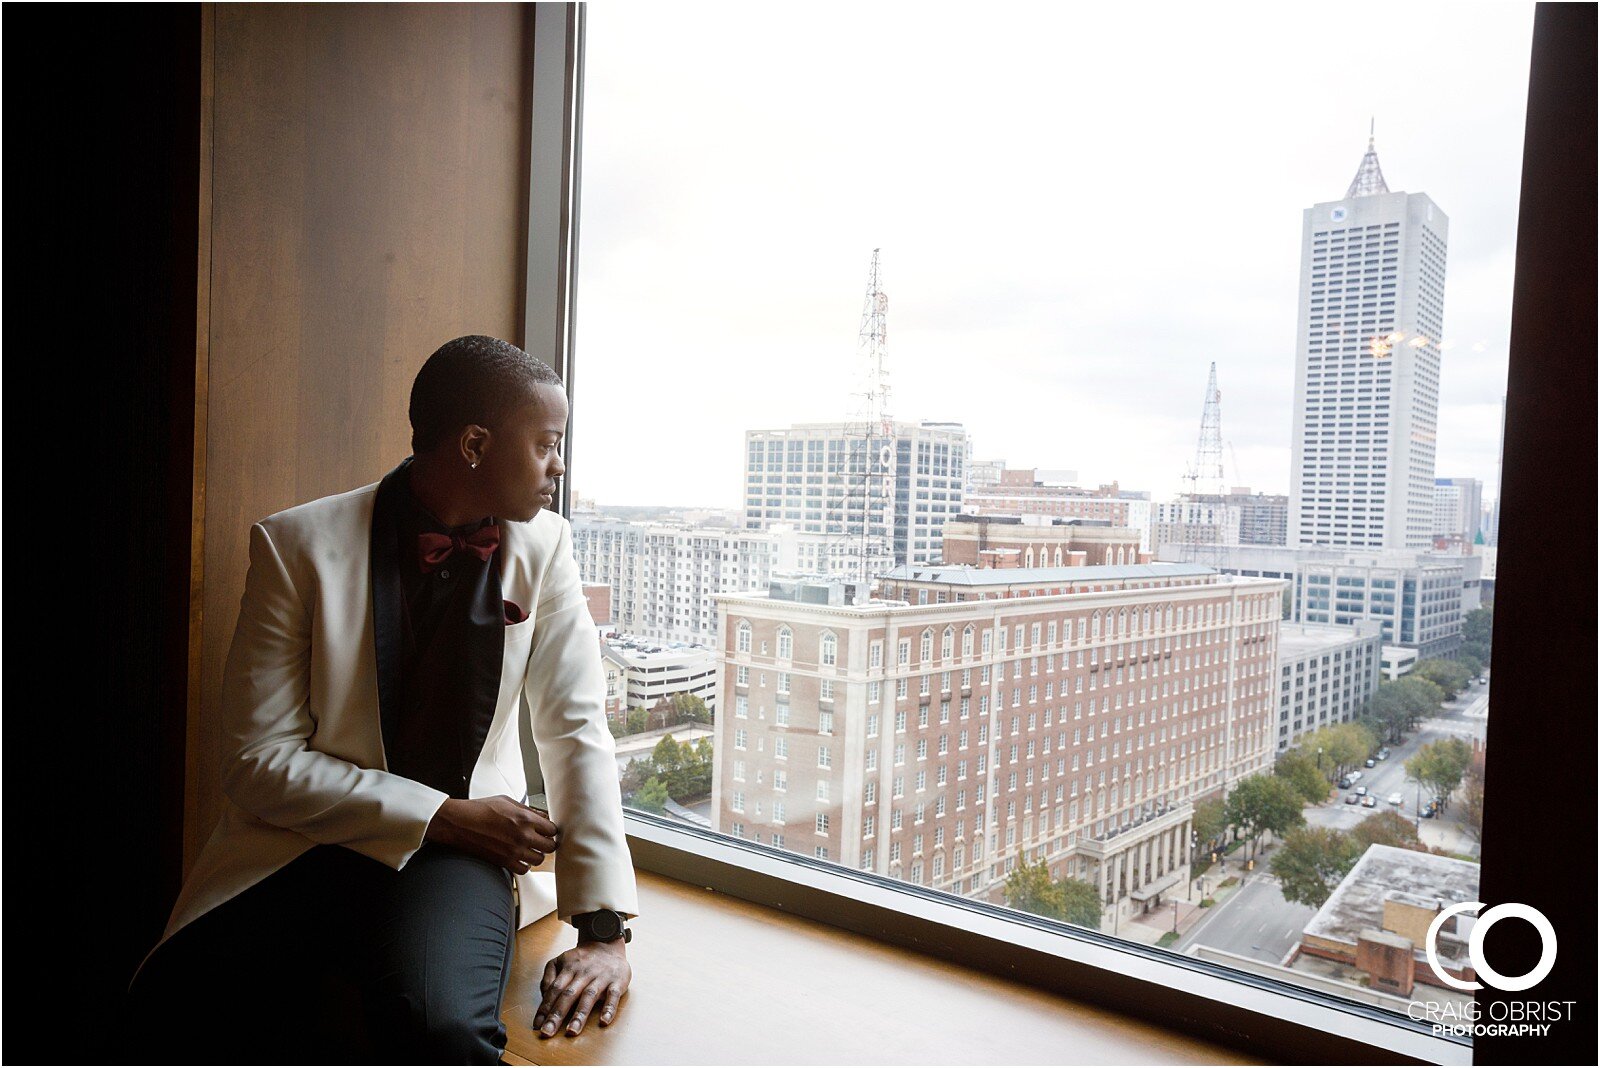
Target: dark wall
{"points": [[100, 260], [1539, 818]]}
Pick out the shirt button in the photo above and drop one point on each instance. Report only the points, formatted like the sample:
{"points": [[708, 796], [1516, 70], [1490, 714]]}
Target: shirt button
{"points": [[444, 574]]}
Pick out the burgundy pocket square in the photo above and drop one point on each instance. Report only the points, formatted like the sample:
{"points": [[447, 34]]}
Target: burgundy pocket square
{"points": [[514, 614]]}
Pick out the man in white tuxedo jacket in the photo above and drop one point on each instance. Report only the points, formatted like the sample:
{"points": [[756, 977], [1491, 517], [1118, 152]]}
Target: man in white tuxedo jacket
{"points": [[356, 898]]}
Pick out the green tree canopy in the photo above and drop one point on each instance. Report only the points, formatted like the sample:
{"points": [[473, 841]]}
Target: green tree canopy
{"points": [[1387, 828], [1262, 803], [1210, 820], [1478, 626], [1082, 902], [1312, 862], [689, 708], [1029, 888], [1299, 769], [1449, 675], [1439, 766], [652, 796]]}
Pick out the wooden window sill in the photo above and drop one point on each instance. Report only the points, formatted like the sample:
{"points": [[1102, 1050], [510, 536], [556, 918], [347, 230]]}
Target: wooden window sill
{"points": [[719, 980]]}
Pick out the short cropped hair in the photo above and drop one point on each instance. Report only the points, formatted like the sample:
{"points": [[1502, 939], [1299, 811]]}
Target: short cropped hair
{"points": [[472, 379]]}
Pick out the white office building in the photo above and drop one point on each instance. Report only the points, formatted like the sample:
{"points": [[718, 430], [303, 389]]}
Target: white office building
{"points": [[664, 576], [1326, 675], [1457, 508], [1372, 271], [1418, 599], [888, 492]]}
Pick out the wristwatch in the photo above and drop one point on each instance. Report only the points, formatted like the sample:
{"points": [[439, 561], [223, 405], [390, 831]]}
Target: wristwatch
{"points": [[602, 925]]}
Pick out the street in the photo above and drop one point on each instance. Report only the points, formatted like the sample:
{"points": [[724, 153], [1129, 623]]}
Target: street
{"points": [[1467, 717], [1255, 922]]}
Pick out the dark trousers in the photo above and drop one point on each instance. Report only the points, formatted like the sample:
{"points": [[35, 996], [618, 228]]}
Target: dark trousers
{"points": [[338, 958]]}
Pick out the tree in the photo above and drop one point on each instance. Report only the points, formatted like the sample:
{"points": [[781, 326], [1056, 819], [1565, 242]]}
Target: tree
{"points": [[1422, 698], [1082, 902], [638, 720], [1299, 769], [1344, 745], [652, 797], [637, 772], [689, 708], [1479, 651], [1391, 712], [1312, 862], [1210, 821], [1472, 803], [1262, 803], [1477, 626], [1439, 766], [667, 759], [1029, 889], [1387, 828], [1472, 663], [1449, 675]]}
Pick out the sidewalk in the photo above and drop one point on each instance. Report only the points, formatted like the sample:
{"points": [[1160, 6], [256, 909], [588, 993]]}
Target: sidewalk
{"points": [[1152, 927]]}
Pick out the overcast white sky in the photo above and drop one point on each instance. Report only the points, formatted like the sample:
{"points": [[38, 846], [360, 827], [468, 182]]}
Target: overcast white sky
{"points": [[1079, 209]]}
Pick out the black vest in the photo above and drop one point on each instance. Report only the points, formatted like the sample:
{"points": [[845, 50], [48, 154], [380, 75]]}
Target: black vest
{"points": [[440, 644]]}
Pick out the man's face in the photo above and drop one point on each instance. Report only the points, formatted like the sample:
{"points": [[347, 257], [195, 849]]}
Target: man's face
{"points": [[522, 459]]}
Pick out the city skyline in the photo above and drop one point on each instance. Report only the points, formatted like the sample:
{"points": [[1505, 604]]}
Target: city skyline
{"points": [[723, 242]]}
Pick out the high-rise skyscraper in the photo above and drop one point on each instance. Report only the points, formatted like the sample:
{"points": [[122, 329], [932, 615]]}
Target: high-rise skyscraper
{"points": [[1372, 268]]}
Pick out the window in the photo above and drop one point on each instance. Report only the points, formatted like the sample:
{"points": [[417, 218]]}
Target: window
{"points": [[1145, 770], [822, 823], [824, 757]]}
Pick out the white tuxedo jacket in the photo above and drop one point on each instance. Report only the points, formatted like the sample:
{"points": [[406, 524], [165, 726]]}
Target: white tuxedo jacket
{"points": [[302, 742]]}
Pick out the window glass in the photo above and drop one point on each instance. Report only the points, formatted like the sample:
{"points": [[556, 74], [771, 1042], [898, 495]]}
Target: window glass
{"points": [[1270, 618]]}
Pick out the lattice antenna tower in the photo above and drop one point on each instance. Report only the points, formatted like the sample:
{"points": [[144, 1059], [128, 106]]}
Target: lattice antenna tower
{"points": [[1205, 478], [866, 489]]}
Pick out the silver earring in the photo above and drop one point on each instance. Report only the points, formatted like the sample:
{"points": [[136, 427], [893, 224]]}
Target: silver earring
{"points": [[474, 465]]}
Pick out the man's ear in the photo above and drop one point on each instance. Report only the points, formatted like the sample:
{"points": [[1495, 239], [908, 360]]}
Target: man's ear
{"points": [[473, 443]]}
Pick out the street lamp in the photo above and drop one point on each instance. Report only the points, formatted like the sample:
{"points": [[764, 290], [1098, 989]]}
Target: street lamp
{"points": [[1174, 917], [1319, 758]]}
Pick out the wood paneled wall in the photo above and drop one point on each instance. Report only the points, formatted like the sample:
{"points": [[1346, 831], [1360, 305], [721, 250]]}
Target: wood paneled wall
{"points": [[368, 187]]}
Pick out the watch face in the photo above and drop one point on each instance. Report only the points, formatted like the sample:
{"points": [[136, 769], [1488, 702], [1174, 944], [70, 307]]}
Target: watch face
{"points": [[606, 925]]}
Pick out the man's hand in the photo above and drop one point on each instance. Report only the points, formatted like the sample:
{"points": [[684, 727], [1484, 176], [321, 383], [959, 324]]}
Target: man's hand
{"points": [[576, 981], [498, 829]]}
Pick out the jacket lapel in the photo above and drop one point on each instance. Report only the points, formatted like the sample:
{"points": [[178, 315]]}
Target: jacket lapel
{"points": [[387, 593]]}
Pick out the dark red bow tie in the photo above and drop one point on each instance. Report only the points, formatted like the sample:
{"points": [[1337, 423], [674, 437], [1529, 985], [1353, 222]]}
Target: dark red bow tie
{"points": [[435, 549]]}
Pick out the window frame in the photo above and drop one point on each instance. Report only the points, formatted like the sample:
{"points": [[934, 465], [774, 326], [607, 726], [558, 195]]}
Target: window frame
{"points": [[1236, 1009]]}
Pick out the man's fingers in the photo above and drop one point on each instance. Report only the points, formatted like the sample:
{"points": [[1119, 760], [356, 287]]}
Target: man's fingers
{"points": [[547, 988], [608, 1011], [580, 1014], [569, 989]]}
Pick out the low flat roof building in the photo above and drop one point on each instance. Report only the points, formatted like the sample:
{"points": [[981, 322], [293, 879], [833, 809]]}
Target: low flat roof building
{"points": [[1376, 920]]}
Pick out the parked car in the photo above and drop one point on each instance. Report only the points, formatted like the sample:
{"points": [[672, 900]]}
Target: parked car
{"points": [[1352, 799], [1354, 776], [1371, 763], [1396, 799], [1361, 791], [1483, 680], [1383, 754], [1344, 782], [1427, 811], [1368, 801]]}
